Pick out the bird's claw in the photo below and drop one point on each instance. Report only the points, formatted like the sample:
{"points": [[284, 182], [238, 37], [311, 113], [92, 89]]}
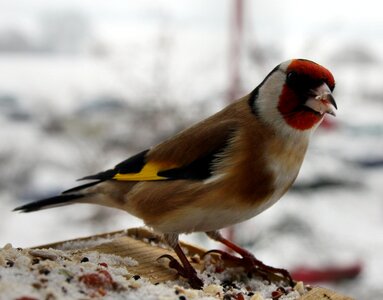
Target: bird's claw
{"points": [[251, 264], [191, 275], [174, 264]]}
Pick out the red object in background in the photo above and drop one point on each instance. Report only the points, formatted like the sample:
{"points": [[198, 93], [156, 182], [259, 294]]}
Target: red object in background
{"points": [[329, 274], [235, 49]]}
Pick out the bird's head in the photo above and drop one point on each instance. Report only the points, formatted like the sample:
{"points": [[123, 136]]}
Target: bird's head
{"points": [[297, 93]]}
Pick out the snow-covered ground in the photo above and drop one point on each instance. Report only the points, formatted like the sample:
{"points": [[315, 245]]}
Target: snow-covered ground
{"points": [[68, 113]]}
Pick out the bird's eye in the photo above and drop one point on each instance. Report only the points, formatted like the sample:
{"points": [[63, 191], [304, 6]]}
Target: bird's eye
{"points": [[291, 77]]}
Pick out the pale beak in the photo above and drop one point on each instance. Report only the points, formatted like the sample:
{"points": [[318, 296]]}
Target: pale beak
{"points": [[321, 100]]}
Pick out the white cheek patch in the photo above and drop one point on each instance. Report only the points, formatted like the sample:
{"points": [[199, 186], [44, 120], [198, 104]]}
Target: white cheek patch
{"points": [[267, 104], [268, 99]]}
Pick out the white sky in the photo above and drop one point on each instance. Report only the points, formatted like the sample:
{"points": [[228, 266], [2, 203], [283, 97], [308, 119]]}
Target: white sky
{"points": [[199, 28], [355, 18]]}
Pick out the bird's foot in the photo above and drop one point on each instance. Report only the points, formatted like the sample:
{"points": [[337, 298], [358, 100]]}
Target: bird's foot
{"points": [[189, 274], [252, 264]]}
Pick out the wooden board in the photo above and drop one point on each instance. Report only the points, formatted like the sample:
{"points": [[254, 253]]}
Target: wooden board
{"points": [[143, 246], [146, 247], [319, 293]]}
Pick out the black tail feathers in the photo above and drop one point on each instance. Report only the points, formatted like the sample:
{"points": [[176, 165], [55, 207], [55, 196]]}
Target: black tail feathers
{"points": [[48, 203], [82, 187], [102, 176], [65, 198]]}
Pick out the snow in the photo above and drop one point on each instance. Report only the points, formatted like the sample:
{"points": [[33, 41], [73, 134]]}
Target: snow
{"points": [[43, 273]]}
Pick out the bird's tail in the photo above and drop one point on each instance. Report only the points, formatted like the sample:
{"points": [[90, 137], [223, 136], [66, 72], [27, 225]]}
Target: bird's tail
{"points": [[68, 197], [56, 201]]}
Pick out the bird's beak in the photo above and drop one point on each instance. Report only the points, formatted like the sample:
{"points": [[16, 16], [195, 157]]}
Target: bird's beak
{"points": [[321, 100]]}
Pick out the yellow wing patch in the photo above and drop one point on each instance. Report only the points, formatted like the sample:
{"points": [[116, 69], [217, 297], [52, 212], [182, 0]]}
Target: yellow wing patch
{"points": [[148, 172]]}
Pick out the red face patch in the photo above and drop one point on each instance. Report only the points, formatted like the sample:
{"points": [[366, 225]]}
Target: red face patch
{"points": [[298, 119], [292, 98]]}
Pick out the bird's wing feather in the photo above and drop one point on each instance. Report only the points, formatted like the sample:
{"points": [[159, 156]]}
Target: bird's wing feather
{"points": [[188, 155]]}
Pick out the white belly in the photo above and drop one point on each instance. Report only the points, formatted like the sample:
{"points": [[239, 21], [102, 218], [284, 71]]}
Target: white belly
{"points": [[203, 220]]}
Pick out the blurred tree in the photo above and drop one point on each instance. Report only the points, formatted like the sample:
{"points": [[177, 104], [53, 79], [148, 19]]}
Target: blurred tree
{"points": [[15, 40], [66, 32]]}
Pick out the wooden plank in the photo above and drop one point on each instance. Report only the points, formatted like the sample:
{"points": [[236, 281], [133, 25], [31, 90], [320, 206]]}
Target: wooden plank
{"points": [[146, 247], [141, 245], [146, 256], [319, 293]]}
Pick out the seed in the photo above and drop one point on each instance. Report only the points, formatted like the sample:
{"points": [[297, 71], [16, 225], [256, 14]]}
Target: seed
{"points": [[10, 263]]}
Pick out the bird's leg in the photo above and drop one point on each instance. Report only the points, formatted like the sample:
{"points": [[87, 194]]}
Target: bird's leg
{"points": [[186, 269], [248, 260]]}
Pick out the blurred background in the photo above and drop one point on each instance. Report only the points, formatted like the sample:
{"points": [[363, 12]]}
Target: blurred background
{"points": [[86, 83]]}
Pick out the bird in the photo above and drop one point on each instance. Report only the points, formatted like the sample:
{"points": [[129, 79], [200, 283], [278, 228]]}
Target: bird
{"points": [[220, 171]]}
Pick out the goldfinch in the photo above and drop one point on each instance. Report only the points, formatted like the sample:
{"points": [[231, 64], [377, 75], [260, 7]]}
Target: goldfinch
{"points": [[223, 170]]}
